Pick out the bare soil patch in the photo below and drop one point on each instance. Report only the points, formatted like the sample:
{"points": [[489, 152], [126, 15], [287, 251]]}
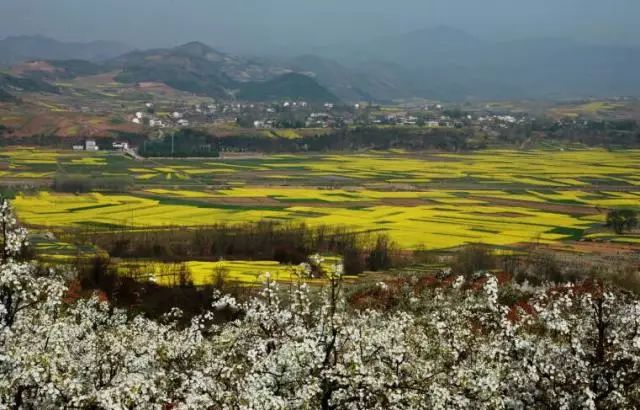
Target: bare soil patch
{"points": [[33, 66], [543, 206], [407, 202], [499, 214]]}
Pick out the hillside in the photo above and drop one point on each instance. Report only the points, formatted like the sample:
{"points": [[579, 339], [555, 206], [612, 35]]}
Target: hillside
{"points": [[54, 70], [200, 69], [194, 68], [340, 80], [5, 96], [19, 49], [288, 86], [9, 83]]}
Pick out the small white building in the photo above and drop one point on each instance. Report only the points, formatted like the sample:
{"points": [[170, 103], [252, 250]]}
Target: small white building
{"points": [[140, 115], [137, 120], [78, 147], [183, 123], [156, 123], [122, 146], [258, 124], [90, 145], [149, 105], [176, 115]]}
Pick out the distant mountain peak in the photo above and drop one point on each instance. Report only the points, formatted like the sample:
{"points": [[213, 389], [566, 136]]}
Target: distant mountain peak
{"points": [[197, 49]]}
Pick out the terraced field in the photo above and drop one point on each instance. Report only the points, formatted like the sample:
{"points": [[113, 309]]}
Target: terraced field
{"points": [[435, 201]]}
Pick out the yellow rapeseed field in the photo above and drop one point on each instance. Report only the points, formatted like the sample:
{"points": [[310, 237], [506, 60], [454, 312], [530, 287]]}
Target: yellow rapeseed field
{"points": [[499, 197]]}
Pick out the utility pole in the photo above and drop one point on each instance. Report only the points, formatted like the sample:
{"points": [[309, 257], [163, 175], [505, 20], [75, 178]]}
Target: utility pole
{"points": [[172, 134]]}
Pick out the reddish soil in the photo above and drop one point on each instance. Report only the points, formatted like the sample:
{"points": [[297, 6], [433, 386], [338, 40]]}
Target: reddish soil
{"points": [[597, 248], [62, 123], [408, 202], [33, 66], [499, 214]]}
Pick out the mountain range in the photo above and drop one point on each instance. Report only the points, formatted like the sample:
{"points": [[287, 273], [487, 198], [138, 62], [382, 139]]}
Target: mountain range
{"points": [[18, 49], [440, 63], [447, 63]]}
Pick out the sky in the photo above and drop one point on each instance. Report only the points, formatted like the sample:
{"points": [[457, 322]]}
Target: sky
{"points": [[254, 26]]}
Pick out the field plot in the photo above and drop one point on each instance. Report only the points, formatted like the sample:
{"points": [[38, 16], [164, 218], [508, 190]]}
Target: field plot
{"points": [[203, 273], [435, 201]]}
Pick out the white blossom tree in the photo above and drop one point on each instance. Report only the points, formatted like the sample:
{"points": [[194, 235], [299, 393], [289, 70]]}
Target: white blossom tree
{"points": [[453, 345]]}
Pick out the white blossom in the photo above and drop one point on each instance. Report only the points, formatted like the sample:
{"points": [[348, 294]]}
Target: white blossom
{"points": [[452, 347]]}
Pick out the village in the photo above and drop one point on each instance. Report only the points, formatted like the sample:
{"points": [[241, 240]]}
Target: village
{"points": [[301, 114]]}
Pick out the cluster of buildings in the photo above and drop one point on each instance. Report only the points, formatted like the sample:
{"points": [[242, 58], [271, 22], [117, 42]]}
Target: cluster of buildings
{"points": [[92, 146], [175, 119], [301, 114], [89, 145]]}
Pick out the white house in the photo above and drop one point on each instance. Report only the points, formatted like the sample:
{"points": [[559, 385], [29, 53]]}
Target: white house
{"points": [[137, 120], [176, 115], [139, 115], [78, 147], [123, 146], [90, 145], [183, 123], [156, 123]]}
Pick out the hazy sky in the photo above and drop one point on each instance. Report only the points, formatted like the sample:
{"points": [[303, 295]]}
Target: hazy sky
{"points": [[254, 25]]}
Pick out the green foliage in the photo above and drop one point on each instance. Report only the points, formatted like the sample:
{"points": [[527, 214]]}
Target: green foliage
{"points": [[185, 143], [87, 183], [293, 86], [622, 220], [207, 83], [380, 257], [116, 120], [74, 68]]}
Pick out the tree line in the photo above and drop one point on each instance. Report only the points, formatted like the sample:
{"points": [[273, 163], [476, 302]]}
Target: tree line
{"points": [[265, 240]]}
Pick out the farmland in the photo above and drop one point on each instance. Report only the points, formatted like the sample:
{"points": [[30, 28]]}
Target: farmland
{"points": [[205, 272], [426, 201]]}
